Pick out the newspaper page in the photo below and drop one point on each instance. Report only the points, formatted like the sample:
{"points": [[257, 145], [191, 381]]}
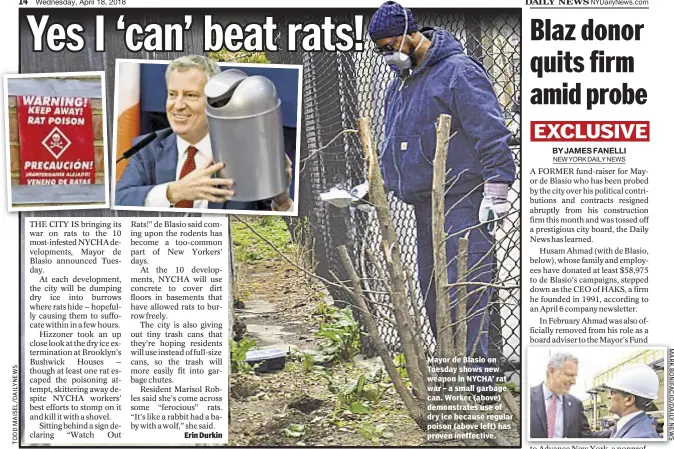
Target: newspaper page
{"points": [[384, 224]]}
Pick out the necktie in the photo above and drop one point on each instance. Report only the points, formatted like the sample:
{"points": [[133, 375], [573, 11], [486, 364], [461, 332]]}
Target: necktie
{"points": [[188, 167], [552, 415]]}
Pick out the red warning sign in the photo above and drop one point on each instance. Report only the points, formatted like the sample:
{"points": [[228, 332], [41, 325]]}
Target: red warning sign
{"points": [[56, 135]]}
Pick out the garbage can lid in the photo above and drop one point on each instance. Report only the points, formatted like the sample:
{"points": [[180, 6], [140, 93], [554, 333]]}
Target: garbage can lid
{"points": [[258, 355], [233, 94]]}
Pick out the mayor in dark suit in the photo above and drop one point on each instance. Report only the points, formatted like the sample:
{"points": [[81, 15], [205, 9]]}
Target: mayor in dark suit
{"points": [[553, 412], [632, 393], [175, 170]]}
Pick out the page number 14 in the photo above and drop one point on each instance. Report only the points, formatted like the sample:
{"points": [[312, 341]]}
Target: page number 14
{"points": [[23, 2]]}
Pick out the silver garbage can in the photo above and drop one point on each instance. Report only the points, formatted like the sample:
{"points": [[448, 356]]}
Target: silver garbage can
{"points": [[246, 132]]}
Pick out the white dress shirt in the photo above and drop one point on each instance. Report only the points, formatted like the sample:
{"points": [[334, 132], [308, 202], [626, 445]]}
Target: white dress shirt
{"points": [[624, 420], [156, 197]]}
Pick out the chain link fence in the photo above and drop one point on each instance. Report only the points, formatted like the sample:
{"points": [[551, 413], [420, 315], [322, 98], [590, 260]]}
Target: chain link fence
{"points": [[339, 88]]}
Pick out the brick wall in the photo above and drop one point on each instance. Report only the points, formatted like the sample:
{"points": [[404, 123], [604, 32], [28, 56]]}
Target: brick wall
{"points": [[99, 155]]}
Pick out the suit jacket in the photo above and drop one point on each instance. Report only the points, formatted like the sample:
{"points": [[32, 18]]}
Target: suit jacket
{"points": [[638, 427], [153, 165], [575, 421]]}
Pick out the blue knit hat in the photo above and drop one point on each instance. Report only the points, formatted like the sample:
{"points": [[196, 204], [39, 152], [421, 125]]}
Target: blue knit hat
{"points": [[389, 20]]}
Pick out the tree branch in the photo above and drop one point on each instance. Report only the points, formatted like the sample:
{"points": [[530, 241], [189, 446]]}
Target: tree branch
{"points": [[392, 255], [413, 407], [443, 318]]}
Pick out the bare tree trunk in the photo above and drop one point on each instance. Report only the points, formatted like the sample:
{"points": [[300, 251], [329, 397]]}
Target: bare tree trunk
{"points": [[462, 298], [419, 324], [450, 343], [509, 401], [399, 291], [444, 317], [416, 412], [393, 259]]}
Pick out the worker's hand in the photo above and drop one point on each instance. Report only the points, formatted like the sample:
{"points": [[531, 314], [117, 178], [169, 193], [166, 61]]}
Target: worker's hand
{"points": [[200, 185], [282, 202], [494, 205]]}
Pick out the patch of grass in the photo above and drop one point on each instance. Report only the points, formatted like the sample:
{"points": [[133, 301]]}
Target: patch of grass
{"points": [[242, 293], [401, 366], [248, 247], [239, 56], [308, 362]]}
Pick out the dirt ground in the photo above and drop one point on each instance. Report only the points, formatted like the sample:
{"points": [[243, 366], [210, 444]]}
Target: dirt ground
{"points": [[280, 311]]}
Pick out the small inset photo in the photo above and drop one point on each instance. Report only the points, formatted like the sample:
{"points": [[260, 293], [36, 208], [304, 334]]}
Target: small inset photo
{"points": [[198, 135], [55, 125], [597, 392]]}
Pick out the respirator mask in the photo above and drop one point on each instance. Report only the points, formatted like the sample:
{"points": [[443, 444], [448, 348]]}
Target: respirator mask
{"points": [[397, 60]]}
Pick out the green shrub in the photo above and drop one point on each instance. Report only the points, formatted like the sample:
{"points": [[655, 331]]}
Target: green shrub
{"points": [[237, 354], [339, 333]]}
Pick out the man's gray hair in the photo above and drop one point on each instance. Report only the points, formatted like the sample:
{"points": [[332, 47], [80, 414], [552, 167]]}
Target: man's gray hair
{"points": [[183, 63], [557, 360]]}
